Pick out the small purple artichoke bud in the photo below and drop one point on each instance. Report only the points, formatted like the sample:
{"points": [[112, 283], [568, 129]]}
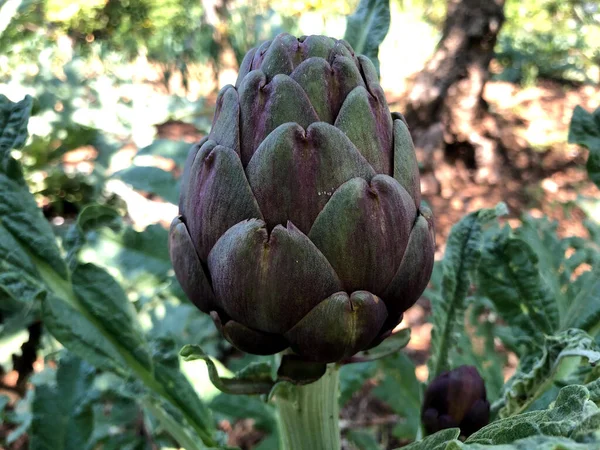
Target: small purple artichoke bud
{"points": [[456, 399]]}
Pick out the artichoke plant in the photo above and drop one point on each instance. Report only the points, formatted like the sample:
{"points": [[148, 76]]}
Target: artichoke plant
{"points": [[301, 224], [456, 399]]}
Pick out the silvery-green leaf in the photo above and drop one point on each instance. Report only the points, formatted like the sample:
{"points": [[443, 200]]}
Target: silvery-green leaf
{"points": [[510, 277], [561, 353], [463, 252], [564, 418]]}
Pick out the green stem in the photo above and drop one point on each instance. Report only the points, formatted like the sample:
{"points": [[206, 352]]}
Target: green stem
{"points": [[309, 414]]}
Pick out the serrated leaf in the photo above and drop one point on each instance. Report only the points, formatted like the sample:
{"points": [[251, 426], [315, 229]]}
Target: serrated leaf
{"points": [[152, 180], [463, 252], [62, 420], [401, 390], [536, 375], [73, 330], [89, 338], [175, 150], [105, 300], [436, 441], [19, 214], [594, 388], [572, 292], [535, 442], [510, 277], [20, 284], [367, 27], [563, 419], [585, 130], [13, 132], [584, 310]]}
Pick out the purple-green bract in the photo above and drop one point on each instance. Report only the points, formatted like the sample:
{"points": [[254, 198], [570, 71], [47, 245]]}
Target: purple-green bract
{"points": [[456, 399], [301, 224]]}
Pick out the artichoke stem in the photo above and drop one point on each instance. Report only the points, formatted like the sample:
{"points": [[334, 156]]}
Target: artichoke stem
{"points": [[309, 418]]}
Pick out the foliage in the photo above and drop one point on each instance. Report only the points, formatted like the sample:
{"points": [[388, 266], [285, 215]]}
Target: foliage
{"points": [[114, 319], [367, 28], [550, 39], [73, 298], [585, 130], [461, 259], [571, 422]]}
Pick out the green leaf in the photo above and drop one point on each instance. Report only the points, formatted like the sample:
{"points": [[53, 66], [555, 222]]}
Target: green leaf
{"points": [[62, 419], [246, 382], [437, 441], [565, 418], [20, 284], [105, 300], [400, 389], [152, 180], [91, 218], [362, 440], [584, 310], [509, 276], [535, 442], [19, 214], [175, 150], [463, 252], [560, 355], [476, 347], [141, 258], [91, 339], [389, 346], [172, 426], [585, 130], [179, 391], [573, 294], [13, 132], [367, 27], [73, 330], [353, 377], [81, 323], [594, 388]]}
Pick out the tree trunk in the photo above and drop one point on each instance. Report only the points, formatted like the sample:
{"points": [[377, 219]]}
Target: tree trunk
{"points": [[446, 111]]}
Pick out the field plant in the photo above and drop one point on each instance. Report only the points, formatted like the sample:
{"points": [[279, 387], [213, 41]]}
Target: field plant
{"points": [[129, 362]]}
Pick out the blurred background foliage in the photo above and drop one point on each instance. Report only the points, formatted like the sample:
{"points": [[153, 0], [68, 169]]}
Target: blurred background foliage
{"points": [[121, 89]]}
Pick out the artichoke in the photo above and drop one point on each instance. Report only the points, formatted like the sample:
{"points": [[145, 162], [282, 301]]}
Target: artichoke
{"points": [[301, 224], [456, 399]]}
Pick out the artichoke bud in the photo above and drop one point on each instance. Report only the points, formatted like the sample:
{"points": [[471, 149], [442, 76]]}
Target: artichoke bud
{"points": [[456, 399], [300, 222]]}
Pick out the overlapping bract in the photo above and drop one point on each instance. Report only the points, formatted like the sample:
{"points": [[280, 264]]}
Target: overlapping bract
{"points": [[456, 399], [301, 222]]}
